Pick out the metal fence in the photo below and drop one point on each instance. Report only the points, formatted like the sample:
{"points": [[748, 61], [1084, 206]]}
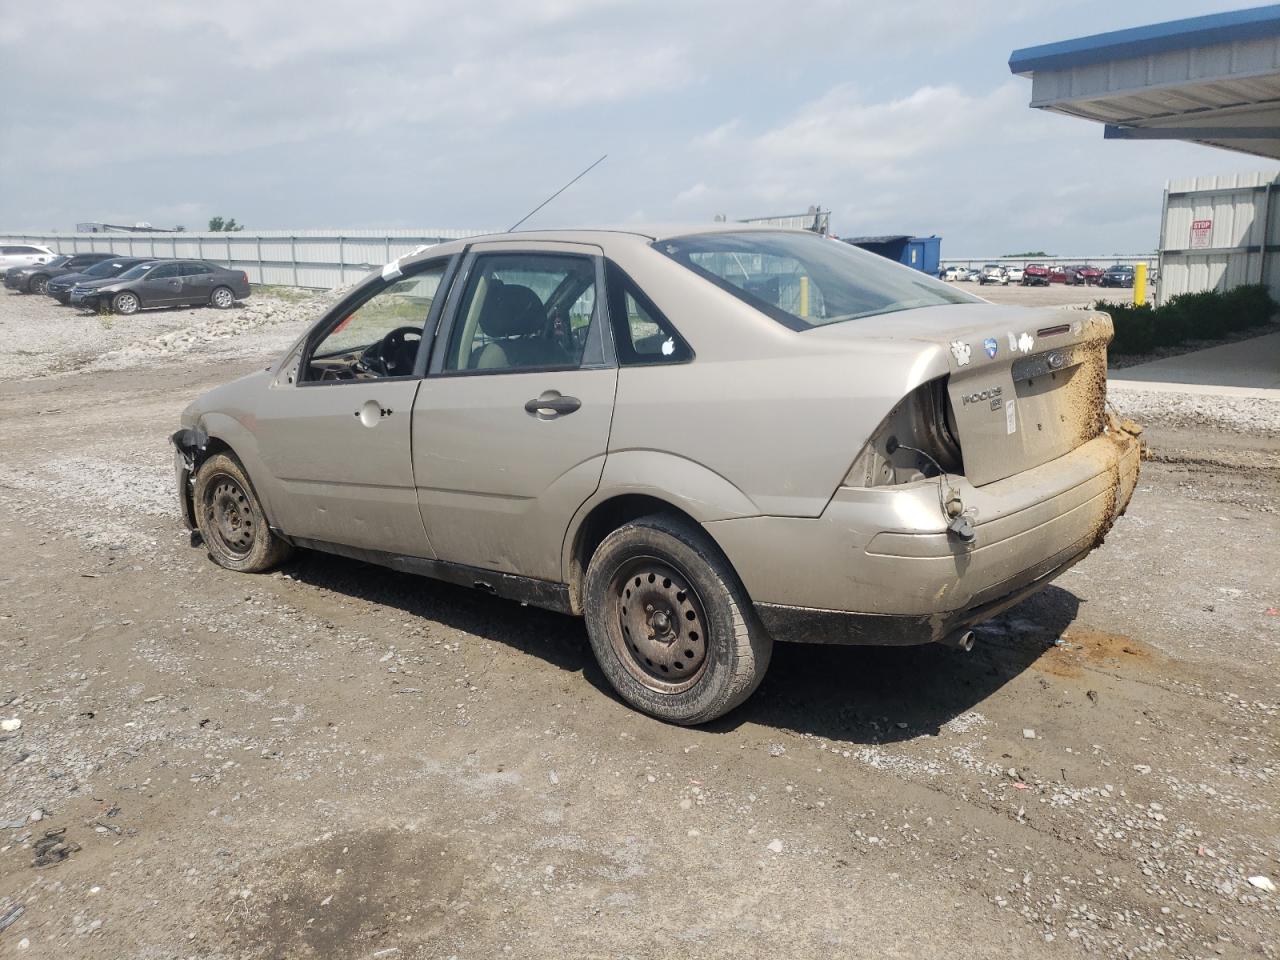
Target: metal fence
{"points": [[294, 258], [1220, 232]]}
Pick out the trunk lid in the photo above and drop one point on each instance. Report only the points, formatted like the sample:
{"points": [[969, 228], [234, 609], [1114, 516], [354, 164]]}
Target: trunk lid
{"points": [[1026, 385]]}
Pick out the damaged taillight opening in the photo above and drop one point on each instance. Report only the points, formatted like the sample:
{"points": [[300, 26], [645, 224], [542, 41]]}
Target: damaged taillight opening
{"points": [[916, 441]]}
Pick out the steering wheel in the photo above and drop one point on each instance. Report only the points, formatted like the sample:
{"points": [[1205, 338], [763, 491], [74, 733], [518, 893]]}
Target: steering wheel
{"points": [[393, 355]]}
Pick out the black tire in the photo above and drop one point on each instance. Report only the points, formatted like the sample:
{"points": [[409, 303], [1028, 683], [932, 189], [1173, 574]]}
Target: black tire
{"points": [[230, 518], [38, 284], [126, 302], [223, 298], [707, 649]]}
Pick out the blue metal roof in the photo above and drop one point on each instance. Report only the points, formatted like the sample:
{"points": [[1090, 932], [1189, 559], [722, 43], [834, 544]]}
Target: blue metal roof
{"points": [[1143, 41]]}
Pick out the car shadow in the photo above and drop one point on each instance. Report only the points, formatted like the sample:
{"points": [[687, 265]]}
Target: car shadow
{"points": [[865, 695]]}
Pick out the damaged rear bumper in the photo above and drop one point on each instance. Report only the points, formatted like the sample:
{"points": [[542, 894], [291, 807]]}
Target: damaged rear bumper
{"points": [[878, 566]]}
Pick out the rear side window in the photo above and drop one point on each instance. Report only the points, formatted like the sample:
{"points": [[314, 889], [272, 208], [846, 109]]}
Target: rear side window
{"points": [[803, 281], [642, 335]]}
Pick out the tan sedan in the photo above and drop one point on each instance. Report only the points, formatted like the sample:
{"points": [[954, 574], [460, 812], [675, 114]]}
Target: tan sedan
{"points": [[704, 440]]}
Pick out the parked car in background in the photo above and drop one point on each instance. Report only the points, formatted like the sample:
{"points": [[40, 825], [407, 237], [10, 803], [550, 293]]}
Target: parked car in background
{"points": [[1014, 274], [1035, 275], [993, 273], [35, 278], [60, 287], [858, 459], [1119, 275], [1059, 273], [23, 255], [951, 273], [1089, 274], [972, 273], [164, 283]]}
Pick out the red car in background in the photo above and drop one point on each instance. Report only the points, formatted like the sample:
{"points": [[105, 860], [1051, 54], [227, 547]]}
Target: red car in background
{"points": [[1035, 275], [1088, 273]]}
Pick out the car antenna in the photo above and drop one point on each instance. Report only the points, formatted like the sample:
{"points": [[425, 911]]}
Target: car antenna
{"points": [[557, 193]]}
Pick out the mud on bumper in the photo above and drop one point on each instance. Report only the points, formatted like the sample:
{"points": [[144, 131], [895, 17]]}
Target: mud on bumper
{"points": [[878, 567]]}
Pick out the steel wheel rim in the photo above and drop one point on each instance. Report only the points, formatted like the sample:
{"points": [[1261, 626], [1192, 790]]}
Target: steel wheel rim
{"points": [[658, 625], [229, 515], [127, 303], [39, 286], [222, 298]]}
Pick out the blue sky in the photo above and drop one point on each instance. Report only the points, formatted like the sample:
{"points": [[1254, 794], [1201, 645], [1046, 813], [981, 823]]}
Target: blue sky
{"points": [[899, 117]]}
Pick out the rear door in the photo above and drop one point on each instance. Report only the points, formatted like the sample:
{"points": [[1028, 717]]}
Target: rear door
{"points": [[511, 427], [197, 282]]}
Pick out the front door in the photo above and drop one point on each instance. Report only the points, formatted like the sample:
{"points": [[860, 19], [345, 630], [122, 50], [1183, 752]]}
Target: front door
{"points": [[162, 286], [337, 441], [511, 427]]}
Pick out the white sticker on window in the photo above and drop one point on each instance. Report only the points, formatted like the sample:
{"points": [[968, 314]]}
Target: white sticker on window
{"points": [[1010, 417], [668, 346], [391, 270]]}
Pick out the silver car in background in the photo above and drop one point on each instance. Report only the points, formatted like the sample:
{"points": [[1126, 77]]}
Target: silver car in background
{"points": [[703, 440]]}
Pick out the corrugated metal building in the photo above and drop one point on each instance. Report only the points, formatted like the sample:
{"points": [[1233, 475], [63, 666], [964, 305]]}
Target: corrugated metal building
{"points": [[1213, 80], [1220, 232]]}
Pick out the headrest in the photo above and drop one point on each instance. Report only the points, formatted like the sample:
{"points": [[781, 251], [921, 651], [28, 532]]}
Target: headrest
{"points": [[511, 310]]}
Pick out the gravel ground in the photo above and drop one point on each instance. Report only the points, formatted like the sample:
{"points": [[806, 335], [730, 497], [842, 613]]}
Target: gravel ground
{"points": [[336, 760]]}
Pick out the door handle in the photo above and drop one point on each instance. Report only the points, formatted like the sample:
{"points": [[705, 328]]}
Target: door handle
{"points": [[551, 404], [371, 413]]}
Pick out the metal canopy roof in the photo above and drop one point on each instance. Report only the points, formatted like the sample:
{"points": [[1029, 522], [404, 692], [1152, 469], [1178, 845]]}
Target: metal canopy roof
{"points": [[1212, 80]]}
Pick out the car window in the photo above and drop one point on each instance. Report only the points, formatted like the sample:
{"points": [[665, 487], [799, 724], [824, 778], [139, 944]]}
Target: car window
{"points": [[136, 271], [803, 280], [380, 336], [195, 269], [524, 311], [642, 335], [164, 271], [104, 268]]}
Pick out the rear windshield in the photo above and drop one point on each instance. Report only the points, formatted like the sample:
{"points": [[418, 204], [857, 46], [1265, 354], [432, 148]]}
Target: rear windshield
{"points": [[803, 280]]}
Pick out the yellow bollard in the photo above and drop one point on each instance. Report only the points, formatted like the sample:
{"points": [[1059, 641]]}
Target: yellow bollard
{"points": [[804, 296], [1139, 284]]}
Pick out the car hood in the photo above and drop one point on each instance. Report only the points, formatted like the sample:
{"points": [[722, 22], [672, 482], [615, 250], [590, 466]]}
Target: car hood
{"points": [[94, 284], [73, 278]]}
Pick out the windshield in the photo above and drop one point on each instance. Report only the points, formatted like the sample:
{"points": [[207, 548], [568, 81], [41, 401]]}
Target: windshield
{"points": [[133, 273], [105, 268], [803, 280], [57, 262]]}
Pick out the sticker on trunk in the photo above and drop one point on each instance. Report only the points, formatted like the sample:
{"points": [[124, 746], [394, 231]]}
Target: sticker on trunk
{"points": [[1010, 417], [992, 346], [960, 350]]}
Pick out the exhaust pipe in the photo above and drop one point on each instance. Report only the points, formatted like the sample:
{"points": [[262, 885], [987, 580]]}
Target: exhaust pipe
{"points": [[959, 639]]}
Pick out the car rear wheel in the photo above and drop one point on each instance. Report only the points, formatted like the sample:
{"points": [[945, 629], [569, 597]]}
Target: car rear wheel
{"points": [[38, 284], [126, 303], [670, 623], [230, 518], [222, 298]]}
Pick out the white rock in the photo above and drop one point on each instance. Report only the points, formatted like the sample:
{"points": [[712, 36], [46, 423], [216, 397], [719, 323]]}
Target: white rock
{"points": [[1028, 733], [1265, 884], [36, 815], [10, 725], [775, 845]]}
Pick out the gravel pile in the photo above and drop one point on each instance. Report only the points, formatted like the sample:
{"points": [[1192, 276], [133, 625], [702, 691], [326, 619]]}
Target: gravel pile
{"points": [[1247, 415], [39, 337]]}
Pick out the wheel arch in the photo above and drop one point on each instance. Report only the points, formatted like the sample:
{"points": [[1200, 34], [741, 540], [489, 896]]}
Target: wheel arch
{"points": [[601, 518], [218, 433]]}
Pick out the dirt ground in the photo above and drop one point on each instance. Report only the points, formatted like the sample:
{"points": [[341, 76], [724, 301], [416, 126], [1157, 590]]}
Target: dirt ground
{"points": [[340, 761]]}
